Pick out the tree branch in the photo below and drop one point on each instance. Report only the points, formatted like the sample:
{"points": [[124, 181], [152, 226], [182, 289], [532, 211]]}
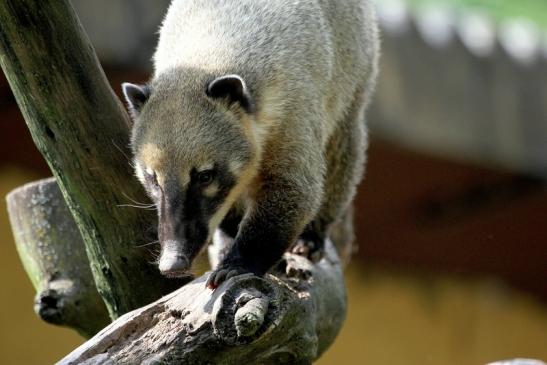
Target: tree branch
{"points": [[54, 257], [289, 317]]}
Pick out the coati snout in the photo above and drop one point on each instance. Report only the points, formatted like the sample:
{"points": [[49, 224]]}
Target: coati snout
{"points": [[172, 262]]}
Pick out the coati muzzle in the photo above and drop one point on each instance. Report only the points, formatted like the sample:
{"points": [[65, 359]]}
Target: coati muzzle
{"points": [[182, 229], [172, 262]]}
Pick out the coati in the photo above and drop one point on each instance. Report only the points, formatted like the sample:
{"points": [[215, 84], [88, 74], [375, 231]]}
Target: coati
{"points": [[253, 123]]}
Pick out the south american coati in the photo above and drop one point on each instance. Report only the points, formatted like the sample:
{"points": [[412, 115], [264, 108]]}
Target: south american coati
{"points": [[253, 123]]}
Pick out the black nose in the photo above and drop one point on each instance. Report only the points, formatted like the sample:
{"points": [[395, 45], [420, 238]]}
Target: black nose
{"points": [[172, 265]]}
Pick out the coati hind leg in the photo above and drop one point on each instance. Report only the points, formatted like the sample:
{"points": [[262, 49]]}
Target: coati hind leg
{"points": [[345, 164]]}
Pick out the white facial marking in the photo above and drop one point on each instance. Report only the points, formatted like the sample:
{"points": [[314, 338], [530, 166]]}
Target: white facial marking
{"points": [[138, 171], [208, 166], [235, 167], [211, 190], [149, 171]]}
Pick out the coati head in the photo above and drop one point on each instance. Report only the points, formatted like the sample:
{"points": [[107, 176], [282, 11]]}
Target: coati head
{"points": [[194, 152]]}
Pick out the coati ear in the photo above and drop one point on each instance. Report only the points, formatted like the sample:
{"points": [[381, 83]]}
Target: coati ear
{"points": [[136, 96], [233, 89]]}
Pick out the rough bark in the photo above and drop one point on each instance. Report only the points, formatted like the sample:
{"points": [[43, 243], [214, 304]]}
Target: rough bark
{"points": [[81, 129], [289, 317], [53, 254]]}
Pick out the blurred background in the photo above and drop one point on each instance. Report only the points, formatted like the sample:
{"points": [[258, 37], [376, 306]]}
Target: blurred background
{"points": [[451, 217]]}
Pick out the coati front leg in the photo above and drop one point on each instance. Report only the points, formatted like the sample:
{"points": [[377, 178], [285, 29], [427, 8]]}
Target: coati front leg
{"points": [[230, 223], [284, 204], [228, 229]]}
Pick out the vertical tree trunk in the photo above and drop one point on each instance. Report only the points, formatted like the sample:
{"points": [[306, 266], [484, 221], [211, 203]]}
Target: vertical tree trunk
{"points": [[81, 128]]}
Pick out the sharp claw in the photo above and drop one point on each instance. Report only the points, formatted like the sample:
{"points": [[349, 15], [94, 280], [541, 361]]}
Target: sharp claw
{"points": [[220, 277], [231, 274], [308, 249], [290, 271], [210, 281], [301, 249]]}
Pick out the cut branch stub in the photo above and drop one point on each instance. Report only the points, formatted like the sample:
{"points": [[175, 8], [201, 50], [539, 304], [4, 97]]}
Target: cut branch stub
{"points": [[238, 315], [54, 257], [251, 312]]}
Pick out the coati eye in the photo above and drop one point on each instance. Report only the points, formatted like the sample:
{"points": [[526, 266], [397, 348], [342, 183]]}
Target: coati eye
{"points": [[206, 177]]}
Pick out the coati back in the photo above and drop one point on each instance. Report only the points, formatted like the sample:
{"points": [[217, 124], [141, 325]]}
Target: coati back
{"points": [[253, 123]]}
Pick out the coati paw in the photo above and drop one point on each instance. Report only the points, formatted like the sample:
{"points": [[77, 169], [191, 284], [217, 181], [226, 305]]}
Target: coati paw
{"points": [[222, 274], [312, 250]]}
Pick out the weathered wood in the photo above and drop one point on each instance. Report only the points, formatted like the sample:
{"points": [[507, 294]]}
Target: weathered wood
{"points": [[289, 317], [81, 129], [53, 254]]}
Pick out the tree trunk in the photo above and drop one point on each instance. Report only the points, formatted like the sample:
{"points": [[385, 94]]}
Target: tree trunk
{"points": [[82, 130]]}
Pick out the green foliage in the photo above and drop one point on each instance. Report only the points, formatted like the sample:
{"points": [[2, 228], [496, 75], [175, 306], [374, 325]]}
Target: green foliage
{"points": [[535, 10]]}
